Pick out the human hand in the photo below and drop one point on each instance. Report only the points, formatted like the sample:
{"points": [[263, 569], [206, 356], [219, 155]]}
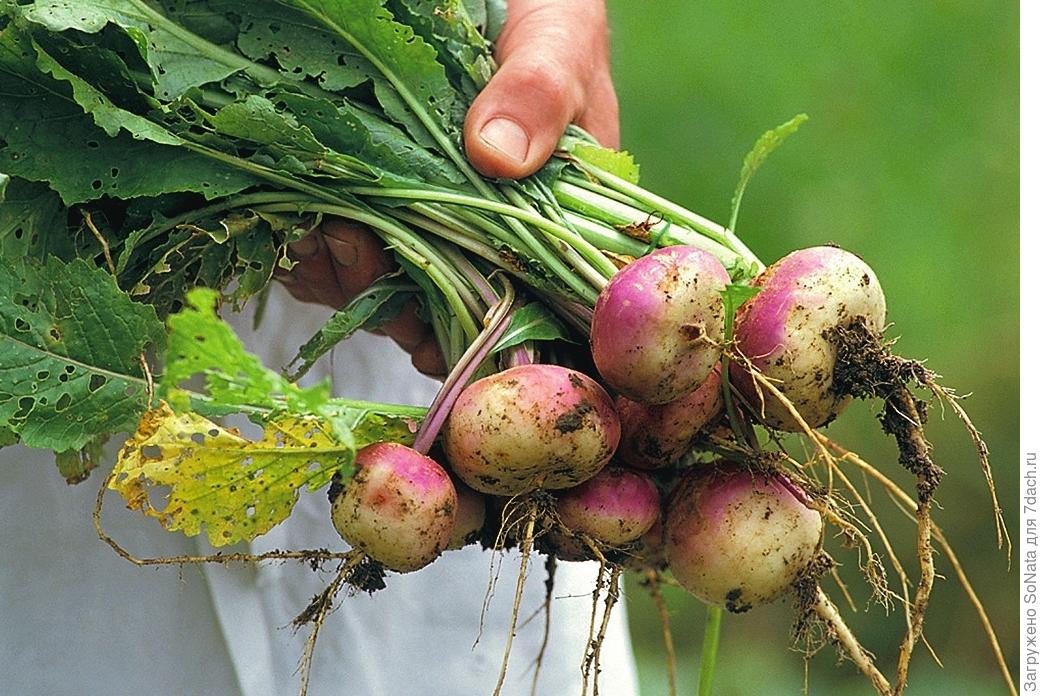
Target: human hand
{"points": [[554, 69]]}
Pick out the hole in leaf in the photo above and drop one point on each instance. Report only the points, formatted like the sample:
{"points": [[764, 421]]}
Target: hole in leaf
{"points": [[96, 184], [96, 382], [198, 438], [63, 402], [21, 324], [151, 452], [25, 405]]}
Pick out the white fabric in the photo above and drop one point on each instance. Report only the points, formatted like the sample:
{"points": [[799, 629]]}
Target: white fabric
{"points": [[77, 619]]}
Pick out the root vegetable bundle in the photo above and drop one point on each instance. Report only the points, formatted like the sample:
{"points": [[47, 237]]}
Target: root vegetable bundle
{"points": [[620, 367]]}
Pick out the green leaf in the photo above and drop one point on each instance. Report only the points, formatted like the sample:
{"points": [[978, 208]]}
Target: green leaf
{"points": [[382, 146], [407, 62], [381, 301], [200, 343], [766, 143], [7, 436], [179, 60], [32, 223], [532, 322], [107, 116], [300, 46], [47, 137], [75, 465], [496, 18], [446, 25], [70, 347], [257, 254], [620, 163]]}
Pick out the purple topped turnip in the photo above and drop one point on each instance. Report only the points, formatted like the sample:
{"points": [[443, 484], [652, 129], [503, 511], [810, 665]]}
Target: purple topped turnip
{"points": [[530, 427], [736, 538], [786, 332], [657, 328]]}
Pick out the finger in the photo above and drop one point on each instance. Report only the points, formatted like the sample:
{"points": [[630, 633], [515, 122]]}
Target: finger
{"points": [[357, 256], [297, 290], [600, 117], [407, 329], [313, 273], [427, 359], [551, 53]]}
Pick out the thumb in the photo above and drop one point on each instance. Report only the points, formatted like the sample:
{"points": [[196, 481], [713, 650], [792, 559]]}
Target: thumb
{"points": [[550, 52]]}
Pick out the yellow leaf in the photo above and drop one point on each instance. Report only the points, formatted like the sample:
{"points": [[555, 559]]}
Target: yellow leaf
{"points": [[236, 487]]}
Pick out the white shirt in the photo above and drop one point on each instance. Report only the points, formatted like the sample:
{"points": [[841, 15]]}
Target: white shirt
{"points": [[76, 619]]}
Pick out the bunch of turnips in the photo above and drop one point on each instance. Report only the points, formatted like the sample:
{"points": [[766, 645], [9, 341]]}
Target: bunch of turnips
{"points": [[621, 369]]}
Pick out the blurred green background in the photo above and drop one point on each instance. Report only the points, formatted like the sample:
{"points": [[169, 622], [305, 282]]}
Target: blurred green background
{"points": [[909, 159]]}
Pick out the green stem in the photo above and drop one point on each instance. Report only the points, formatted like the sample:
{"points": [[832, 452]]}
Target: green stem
{"points": [[591, 265], [669, 209], [606, 238], [411, 247], [613, 212], [579, 286], [710, 650]]}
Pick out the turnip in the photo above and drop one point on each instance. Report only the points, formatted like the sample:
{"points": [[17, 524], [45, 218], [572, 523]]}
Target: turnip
{"points": [[654, 436], [530, 427], [648, 551], [613, 508], [786, 331], [398, 508], [737, 538], [657, 328], [470, 513]]}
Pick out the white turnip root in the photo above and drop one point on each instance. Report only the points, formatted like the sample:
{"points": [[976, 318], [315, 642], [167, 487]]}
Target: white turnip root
{"points": [[786, 332], [737, 538], [616, 506], [654, 436], [399, 507], [530, 427], [657, 328]]}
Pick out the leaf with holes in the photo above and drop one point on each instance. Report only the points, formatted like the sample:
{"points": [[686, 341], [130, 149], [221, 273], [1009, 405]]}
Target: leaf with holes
{"points": [[70, 347], [179, 59], [46, 136], [233, 487], [407, 62], [32, 223], [200, 344]]}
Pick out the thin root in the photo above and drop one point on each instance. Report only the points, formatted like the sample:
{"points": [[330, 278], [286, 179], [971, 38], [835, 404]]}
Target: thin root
{"points": [[653, 585], [550, 580], [900, 495], [316, 612], [526, 544], [840, 633], [947, 395]]}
